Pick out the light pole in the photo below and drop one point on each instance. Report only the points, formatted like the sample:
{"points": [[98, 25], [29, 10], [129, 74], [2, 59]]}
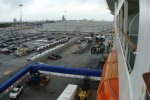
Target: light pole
{"points": [[65, 21], [20, 5]]}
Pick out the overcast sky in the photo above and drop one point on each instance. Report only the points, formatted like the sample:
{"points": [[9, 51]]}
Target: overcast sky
{"points": [[54, 9]]}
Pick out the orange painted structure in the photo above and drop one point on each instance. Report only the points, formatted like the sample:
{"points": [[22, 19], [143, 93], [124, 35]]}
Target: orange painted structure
{"points": [[109, 85]]}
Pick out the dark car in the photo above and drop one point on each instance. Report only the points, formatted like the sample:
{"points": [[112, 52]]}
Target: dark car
{"points": [[95, 49], [52, 57], [55, 55]]}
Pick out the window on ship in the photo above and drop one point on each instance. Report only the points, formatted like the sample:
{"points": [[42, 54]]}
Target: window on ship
{"points": [[132, 32], [128, 26]]}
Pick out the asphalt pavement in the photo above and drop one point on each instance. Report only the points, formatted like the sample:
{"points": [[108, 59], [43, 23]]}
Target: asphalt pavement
{"points": [[57, 84]]}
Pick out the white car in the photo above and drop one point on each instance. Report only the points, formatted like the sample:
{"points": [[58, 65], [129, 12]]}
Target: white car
{"points": [[29, 58], [15, 92]]}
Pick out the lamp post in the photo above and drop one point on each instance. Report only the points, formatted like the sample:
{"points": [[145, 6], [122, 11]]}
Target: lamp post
{"points": [[65, 21], [20, 5]]}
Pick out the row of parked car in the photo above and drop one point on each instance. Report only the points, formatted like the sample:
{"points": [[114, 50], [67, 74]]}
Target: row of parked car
{"points": [[12, 37], [17, 36]]}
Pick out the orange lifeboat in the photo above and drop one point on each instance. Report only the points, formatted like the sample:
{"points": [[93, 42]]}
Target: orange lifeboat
{"points": [[109, 86]]}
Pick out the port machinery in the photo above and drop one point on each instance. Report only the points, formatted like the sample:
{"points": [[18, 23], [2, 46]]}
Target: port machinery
{"points": [[34, 69]]}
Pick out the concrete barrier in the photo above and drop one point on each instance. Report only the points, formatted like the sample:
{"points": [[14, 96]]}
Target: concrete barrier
{"points": [[45, 54]]}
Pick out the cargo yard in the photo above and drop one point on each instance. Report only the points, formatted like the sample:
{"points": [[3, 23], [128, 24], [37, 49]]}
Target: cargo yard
{"points": [[18, 48]]}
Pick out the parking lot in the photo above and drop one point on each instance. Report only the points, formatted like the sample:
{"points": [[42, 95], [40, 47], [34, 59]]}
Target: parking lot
{"points": [[58, 84], [72, 56]]}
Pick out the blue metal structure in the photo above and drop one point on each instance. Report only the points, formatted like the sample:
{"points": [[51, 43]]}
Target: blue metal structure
{"points": [[33, 68], [67, 70]]}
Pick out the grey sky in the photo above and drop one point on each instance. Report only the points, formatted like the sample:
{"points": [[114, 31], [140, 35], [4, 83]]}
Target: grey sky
{"points": [[54, 9]]}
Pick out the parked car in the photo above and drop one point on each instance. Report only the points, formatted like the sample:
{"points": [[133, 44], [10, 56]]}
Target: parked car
{"points": [[95, 49], [29, 58], [52, 57], [55, 55], [15, 92], [5, 51]]}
